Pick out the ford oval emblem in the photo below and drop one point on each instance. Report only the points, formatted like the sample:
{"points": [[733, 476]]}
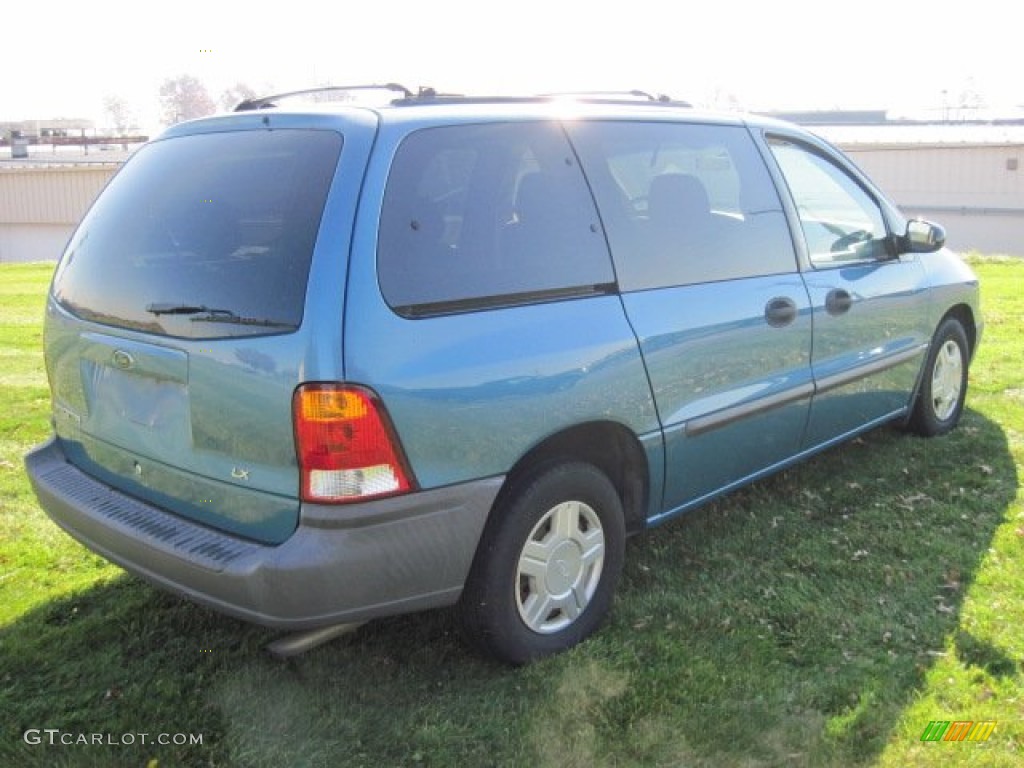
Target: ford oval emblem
{"points": [[122, 359]]}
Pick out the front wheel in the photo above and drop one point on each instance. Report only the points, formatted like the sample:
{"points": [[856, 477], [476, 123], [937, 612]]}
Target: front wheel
{"points": [[944, 386], [547, 565]]}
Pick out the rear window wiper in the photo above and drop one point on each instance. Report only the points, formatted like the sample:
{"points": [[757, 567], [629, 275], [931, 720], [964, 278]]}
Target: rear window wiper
{"points": [[204, 314], [178, 309]]}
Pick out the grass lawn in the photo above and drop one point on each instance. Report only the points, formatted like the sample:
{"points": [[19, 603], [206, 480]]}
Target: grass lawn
{"points": [[821, 618]]}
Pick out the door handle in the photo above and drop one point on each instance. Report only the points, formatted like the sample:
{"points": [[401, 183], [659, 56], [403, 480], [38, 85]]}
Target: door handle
{"points": [[838, 302], [780, 311]]}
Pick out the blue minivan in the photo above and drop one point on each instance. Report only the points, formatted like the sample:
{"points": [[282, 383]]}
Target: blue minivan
{"points": [[316, 364]]}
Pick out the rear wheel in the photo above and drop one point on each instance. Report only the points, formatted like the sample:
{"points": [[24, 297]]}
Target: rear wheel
{"points": [[547, 566], [944, 386]]}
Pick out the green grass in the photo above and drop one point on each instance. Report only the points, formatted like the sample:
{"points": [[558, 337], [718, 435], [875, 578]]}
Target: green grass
{"points": [[820, 618]]}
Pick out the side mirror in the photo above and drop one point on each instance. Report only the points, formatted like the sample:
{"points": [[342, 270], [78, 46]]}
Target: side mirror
{"points": [[923, 237]]}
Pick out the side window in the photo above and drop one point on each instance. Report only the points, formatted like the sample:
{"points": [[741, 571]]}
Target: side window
{"points": [[684, 203], [841, 222], [488, 215]]}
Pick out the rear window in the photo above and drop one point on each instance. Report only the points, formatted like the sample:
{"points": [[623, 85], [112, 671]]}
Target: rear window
{"points": [[479, 216], [204, 236]]}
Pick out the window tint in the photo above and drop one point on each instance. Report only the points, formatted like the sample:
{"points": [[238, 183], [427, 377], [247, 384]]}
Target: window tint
{"points": [[204, 236], [684, 203], [841, 222], [480, 215]]}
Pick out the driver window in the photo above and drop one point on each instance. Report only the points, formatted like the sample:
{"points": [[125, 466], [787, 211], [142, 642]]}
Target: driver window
{"points": [[841, 222]]}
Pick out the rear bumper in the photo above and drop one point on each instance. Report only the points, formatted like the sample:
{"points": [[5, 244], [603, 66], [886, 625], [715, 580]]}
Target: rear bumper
{"points": [[342, 564]]}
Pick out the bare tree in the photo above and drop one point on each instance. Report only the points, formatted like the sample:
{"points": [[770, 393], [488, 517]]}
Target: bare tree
{"points": [[724, 99], [121, 116], [236, 94], [970, 100], [183, 98]]}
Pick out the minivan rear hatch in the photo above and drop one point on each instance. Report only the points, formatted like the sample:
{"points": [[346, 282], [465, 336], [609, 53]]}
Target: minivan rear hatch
{"points": [[170, 333]]}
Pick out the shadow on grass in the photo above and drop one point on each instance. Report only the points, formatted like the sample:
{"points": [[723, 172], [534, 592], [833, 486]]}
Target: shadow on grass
{"points": [[789, 623]]}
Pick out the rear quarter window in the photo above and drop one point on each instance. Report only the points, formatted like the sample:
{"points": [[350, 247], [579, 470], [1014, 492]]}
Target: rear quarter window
{"points": [[204, 236], [478, 216], [684, 203]]}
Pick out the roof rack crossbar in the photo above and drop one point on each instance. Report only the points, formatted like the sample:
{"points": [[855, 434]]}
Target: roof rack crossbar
{"points": [[265, 102]]}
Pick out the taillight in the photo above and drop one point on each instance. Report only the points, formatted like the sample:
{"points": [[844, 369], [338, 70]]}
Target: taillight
{"points": [[346, 448]]}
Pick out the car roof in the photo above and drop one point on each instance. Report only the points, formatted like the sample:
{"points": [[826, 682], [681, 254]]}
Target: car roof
{"points": [[414, 113], [474, 110]]}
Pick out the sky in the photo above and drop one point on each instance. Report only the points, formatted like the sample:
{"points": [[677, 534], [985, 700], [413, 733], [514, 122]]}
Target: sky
{"points": [[902, 55]]}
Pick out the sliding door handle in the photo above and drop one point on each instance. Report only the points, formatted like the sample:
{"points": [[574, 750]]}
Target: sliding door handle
{"points": [[780, 311], [838, 302]]}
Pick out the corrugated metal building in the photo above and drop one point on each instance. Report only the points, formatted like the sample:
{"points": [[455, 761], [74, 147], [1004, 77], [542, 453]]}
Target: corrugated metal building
{"points": [[41, 204], [969, 178]]}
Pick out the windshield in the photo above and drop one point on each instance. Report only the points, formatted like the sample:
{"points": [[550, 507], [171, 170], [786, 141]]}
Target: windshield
{"points": [[215, 231]]}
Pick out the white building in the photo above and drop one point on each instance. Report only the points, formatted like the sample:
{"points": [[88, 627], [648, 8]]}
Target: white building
{"points": [[967, 177], [40, 205]]}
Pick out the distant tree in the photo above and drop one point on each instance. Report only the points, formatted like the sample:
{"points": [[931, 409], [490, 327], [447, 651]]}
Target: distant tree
{"points": [[970, 97], [239, 92], [329, 96], [183, 98], [121, 116], [724, 99]]}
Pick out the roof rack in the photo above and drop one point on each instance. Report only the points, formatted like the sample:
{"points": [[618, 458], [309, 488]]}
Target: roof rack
{"points": [[633, 95], [603, 97], [426, 94], [590, 97], [266, 102], [612, 97]]}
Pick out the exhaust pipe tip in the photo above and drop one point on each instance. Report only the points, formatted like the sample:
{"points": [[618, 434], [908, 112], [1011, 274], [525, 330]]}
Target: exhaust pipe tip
{"points": [[300, 642]]}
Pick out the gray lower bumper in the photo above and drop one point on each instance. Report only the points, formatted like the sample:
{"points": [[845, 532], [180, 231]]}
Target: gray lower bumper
{"points": [[342, 564]]}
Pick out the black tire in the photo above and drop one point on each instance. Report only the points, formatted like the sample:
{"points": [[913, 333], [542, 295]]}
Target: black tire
{"points": [[940, 400], [560, 515]]}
